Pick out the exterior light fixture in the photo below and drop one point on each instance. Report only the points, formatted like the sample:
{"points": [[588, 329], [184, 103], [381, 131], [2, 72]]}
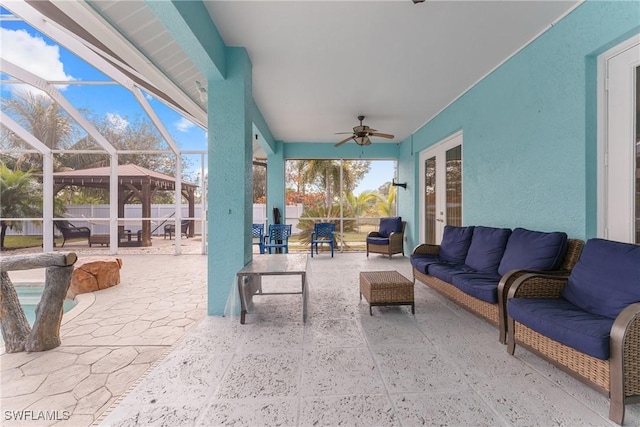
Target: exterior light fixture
{"points": [[398, 184]]}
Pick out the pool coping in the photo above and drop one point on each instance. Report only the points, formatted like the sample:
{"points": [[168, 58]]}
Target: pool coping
{"points": [[84, 301]]}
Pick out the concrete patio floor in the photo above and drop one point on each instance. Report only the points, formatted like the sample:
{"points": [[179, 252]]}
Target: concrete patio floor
{"points": [[144, 353]]}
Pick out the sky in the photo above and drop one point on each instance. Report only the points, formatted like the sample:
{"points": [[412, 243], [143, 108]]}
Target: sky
{"points": [[27, 48], [381, 171]]}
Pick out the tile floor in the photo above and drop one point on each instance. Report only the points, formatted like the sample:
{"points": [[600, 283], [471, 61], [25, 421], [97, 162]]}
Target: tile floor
{"points": [[442, 366]]}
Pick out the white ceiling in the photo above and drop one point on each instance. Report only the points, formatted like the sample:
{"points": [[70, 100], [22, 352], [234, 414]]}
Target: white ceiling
{"points": [[317, 65]]}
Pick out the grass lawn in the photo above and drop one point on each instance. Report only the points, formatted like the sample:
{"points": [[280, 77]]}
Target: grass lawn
{"points": [[22, 242], [352, 241]]}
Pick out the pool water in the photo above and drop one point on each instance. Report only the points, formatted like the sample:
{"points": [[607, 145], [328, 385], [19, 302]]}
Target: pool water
{"points": [[29, 297]]}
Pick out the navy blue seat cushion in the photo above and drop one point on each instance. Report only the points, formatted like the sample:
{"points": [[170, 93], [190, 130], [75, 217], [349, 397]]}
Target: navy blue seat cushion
{"points": [[390, 225], [455, 243], [486, 249], [558, 319], [606, 278], [378, 240], [533, 250], [483, 286], [446, 271], [421, 262]]}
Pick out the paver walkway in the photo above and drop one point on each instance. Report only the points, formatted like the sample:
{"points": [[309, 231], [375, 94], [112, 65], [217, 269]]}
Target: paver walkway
{"points": [[108, 346]]}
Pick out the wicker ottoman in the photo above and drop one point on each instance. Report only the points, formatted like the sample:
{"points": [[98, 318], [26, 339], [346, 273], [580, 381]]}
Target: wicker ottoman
{"points": [[386, 288]]}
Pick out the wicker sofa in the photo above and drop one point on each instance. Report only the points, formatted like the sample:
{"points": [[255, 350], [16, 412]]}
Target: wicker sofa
{"points": [[588, 323], [475, 266]]}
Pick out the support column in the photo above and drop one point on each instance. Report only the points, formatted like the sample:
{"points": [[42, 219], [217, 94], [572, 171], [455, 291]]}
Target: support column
{"points": [[275, 182], [230, 178]]}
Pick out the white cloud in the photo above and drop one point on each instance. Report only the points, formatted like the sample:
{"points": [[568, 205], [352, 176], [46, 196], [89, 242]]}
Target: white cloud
{"points": [[118, 122], [183, 125], [34, 55]]}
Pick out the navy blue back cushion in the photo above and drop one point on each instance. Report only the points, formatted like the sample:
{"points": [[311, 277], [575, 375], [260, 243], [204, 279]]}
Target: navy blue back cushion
{"points": [[606, 278], [390, 225], [455, 243], [487, 247], [533, 250]]}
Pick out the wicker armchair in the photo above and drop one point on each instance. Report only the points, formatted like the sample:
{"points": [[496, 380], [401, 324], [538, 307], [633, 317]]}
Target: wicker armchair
{"points": [[599, 347], [385, 242]]}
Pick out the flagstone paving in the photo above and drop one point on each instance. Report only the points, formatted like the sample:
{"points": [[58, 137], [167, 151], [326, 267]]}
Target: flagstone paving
{"points": [[118, 335]]}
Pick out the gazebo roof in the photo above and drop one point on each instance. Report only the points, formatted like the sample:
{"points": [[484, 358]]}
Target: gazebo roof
{"points": [[127, 174]]}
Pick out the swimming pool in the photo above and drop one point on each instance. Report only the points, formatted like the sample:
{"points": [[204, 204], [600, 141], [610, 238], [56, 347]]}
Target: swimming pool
{"points": [[29, 296]]}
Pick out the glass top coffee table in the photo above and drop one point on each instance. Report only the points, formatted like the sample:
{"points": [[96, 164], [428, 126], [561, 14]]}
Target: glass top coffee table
{"points": [[250, 277]]}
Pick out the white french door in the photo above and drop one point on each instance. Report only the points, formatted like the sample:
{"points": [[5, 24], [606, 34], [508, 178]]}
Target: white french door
{"points": [[619, 147], [440, 188]]}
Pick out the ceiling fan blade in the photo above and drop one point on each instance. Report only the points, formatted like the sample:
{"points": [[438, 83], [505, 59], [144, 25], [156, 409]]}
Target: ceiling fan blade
{"points": [[343, 133], [343, 141], [381, 135]]}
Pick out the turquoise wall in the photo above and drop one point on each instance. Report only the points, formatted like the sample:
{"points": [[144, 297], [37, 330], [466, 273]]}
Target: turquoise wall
{"points": [[230, 180], [529, 130]]}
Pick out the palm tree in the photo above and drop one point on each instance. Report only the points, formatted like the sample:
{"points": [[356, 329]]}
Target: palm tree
{"points": [[44, 119], [386, 206], [21, 198], [326, 175], [360, 204]]}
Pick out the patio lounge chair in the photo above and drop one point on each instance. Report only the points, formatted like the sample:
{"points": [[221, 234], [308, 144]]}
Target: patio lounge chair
{"points": [[278, 238], [70, 231], [323, 232]]}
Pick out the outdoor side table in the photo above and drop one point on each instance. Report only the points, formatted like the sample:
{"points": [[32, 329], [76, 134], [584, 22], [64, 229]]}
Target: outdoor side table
{"points": [[386, 288], [250, 277]]}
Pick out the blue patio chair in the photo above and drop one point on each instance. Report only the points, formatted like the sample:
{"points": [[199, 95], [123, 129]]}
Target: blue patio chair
{"points": [[257, 232], [278, 237], [323, 232]]}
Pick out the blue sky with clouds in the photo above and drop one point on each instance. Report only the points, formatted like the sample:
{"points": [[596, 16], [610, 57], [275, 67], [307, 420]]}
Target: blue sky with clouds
{"points": [[33, 51]]}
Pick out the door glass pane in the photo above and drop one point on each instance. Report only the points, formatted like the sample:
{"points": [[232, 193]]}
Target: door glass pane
{"points": [[430, 200], [637, 189], [454, 186]]}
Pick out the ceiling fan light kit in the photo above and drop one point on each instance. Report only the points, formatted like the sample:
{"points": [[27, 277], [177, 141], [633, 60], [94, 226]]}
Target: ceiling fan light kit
{"points": [[361, 134]]}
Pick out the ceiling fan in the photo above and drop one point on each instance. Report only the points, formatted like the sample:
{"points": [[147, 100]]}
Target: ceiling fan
{"points": [[361, 134]]}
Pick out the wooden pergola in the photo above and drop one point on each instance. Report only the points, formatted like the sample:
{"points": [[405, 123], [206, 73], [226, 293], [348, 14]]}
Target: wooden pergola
{"points": [[133, 182]]}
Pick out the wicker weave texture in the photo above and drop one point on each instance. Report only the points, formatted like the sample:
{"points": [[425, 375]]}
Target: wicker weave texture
{"points": [[592, 369], [574, 249], [385, 287], [483, 309]]}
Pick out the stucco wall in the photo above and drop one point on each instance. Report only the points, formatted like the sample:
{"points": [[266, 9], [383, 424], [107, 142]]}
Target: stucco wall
{"points": [[529, 130]]}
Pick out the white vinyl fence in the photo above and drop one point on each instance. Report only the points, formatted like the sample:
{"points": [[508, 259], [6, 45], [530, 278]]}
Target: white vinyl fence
{"points": [[132, 213]]}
